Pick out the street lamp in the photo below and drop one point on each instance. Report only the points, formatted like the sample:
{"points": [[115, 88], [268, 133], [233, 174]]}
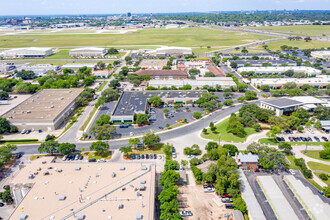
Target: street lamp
{"points": [[219, 138]]}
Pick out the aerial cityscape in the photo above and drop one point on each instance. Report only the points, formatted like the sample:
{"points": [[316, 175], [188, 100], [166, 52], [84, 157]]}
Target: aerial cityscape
{"points": [[167, 110]]}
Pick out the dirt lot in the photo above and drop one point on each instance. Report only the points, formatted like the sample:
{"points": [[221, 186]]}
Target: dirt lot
{"points": [[204, 206]]}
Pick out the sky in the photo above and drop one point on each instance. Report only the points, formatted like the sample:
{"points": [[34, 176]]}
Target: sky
{"points": [[51, 7]]}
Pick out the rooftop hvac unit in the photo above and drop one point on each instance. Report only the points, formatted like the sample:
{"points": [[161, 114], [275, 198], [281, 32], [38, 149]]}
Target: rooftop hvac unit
{"points": [[28, 111], [62, 98], [120, 206], [51, 106]]}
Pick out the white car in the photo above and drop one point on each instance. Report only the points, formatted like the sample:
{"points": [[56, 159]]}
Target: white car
{"points": [[131, 133], [292, 172], [174, 155], [185, 213], [65, 157]]}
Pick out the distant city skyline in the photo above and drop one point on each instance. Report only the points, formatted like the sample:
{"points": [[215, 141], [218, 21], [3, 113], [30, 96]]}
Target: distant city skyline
{"points": [[58, 7]]}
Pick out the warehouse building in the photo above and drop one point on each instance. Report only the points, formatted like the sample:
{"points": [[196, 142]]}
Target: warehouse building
{"points": [[39, 69], [164, 74], [77, 66], [324, 54], [131, 103], [216, 71], [280, 70], [30, 52], [199, 82], [276, 83], [47, 109], [84, 190], [88, 52], [173, 51], [246, 56], [258, 63]]}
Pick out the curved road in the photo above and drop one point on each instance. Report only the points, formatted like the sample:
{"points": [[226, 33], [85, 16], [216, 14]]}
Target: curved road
{"points": [[166, 136]]}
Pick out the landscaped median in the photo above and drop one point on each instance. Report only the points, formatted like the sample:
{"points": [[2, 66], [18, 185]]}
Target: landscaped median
{"points": [[20, 141], [271, 141], [221, 128]]}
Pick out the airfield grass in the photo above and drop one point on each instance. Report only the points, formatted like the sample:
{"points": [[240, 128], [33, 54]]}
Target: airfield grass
{"points": [[310, 30], [300, 44], [62, 54], [187, 37]]}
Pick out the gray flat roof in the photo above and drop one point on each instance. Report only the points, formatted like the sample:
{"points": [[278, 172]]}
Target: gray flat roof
{"points": [[131, 102], [249, 54], [281, 102], [280, 61]]}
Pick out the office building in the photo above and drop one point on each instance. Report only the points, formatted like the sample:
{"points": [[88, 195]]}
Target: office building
{"points": [[280, 70], [259, 63], [164, 74], [324, 54], [173, 51], [269, 56]]}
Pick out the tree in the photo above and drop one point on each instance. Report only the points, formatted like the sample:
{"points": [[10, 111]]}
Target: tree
{"points": [[256, 127], [172, 165], [113, 51], [302, 114], [209, 74], [103, 132], [289, 73], [320, 112], [110, 94], [232, 149], [151, 139], [167, 148], [125, 150], [307, 39], [100, 147], [193, 73], [197, 115], [290, 85], [184, 163], [167, 125], [242, 86], [239, 204], [233, 65], [134, 141], [66, 148], [265, 88], [48, 147], [114, 84], [285, 147], [4, 125], [250, 95], [141, 119], [155, 101], [100, 65], [4, 95], [6, 196], [273, 132], [25, 74], [103, 120], [6, 153], [211, 145], [244, 50], [228, 102]]}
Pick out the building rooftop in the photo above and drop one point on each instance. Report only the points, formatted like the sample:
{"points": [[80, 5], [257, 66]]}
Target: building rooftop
{"points": [[282, 102], [216, 70], [29, 49], [280, 68], [162, 73], [96, 191], [46, 104], [252, 158], [298, 81], [131, 102], [308, 100], [279, 61], [150, 63], [248, 54], [78, 65], [88, 49]]}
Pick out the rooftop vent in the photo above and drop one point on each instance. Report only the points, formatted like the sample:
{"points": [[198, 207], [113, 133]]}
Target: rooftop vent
{"points": [[122, 168], [51, 106], [62, 98], [61, 198], [28, 111]]}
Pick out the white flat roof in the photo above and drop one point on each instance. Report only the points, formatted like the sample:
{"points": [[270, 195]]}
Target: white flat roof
{"points": [[31, 48], [78, 65], [88, 48], [279, 69], [308, 100], [176, 48]]}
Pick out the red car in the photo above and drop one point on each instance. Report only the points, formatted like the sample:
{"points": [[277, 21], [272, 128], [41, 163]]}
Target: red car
{"points": [[225, 196], [256, 170]]}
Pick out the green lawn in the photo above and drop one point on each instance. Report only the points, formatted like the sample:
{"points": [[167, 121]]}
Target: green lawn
{"points": [[188, 37], [106, 155], [300, 44], [325, 181], [62, 54], [315, 154], [310, 30], [251, 50], [292, 165], [271, 141], [319, 166], [102, 86], [225, 136]]}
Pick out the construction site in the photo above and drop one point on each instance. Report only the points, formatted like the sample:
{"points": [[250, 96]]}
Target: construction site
{"points": [[49, 189]]}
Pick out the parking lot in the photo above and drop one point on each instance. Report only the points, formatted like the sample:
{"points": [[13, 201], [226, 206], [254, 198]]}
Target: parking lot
{"points": [[308, 135]]}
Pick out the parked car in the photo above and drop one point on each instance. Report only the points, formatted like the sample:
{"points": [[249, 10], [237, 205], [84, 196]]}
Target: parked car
{"points": [[225, 196], [174, 155], [278, 139], [77, 157], [155, 156], [92, 160], [81, 157], [226, 200], [185, 213], [147, 156], [123, 126], [229, 206], [133, 157], [150, 156], [173, 149], [131, 134], [65, 157], [28, 131], [291, 139], [1, 204], [18, 155], [23, 131], [142, 156], [324, 138], [160, 157], [292, 171], [317, 138], [282, 139], [138, 156]]}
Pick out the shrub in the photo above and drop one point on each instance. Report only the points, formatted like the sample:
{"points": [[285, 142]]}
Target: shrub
{"points": [[307, 173], [198, 174], [197, 115], [256, 127], [323, 176]]}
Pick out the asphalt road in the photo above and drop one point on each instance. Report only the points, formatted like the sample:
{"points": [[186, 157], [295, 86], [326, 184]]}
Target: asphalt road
{"points": [[165, 135]]}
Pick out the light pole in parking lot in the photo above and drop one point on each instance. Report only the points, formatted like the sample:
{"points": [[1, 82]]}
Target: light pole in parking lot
{"points": [[219, 138]]}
